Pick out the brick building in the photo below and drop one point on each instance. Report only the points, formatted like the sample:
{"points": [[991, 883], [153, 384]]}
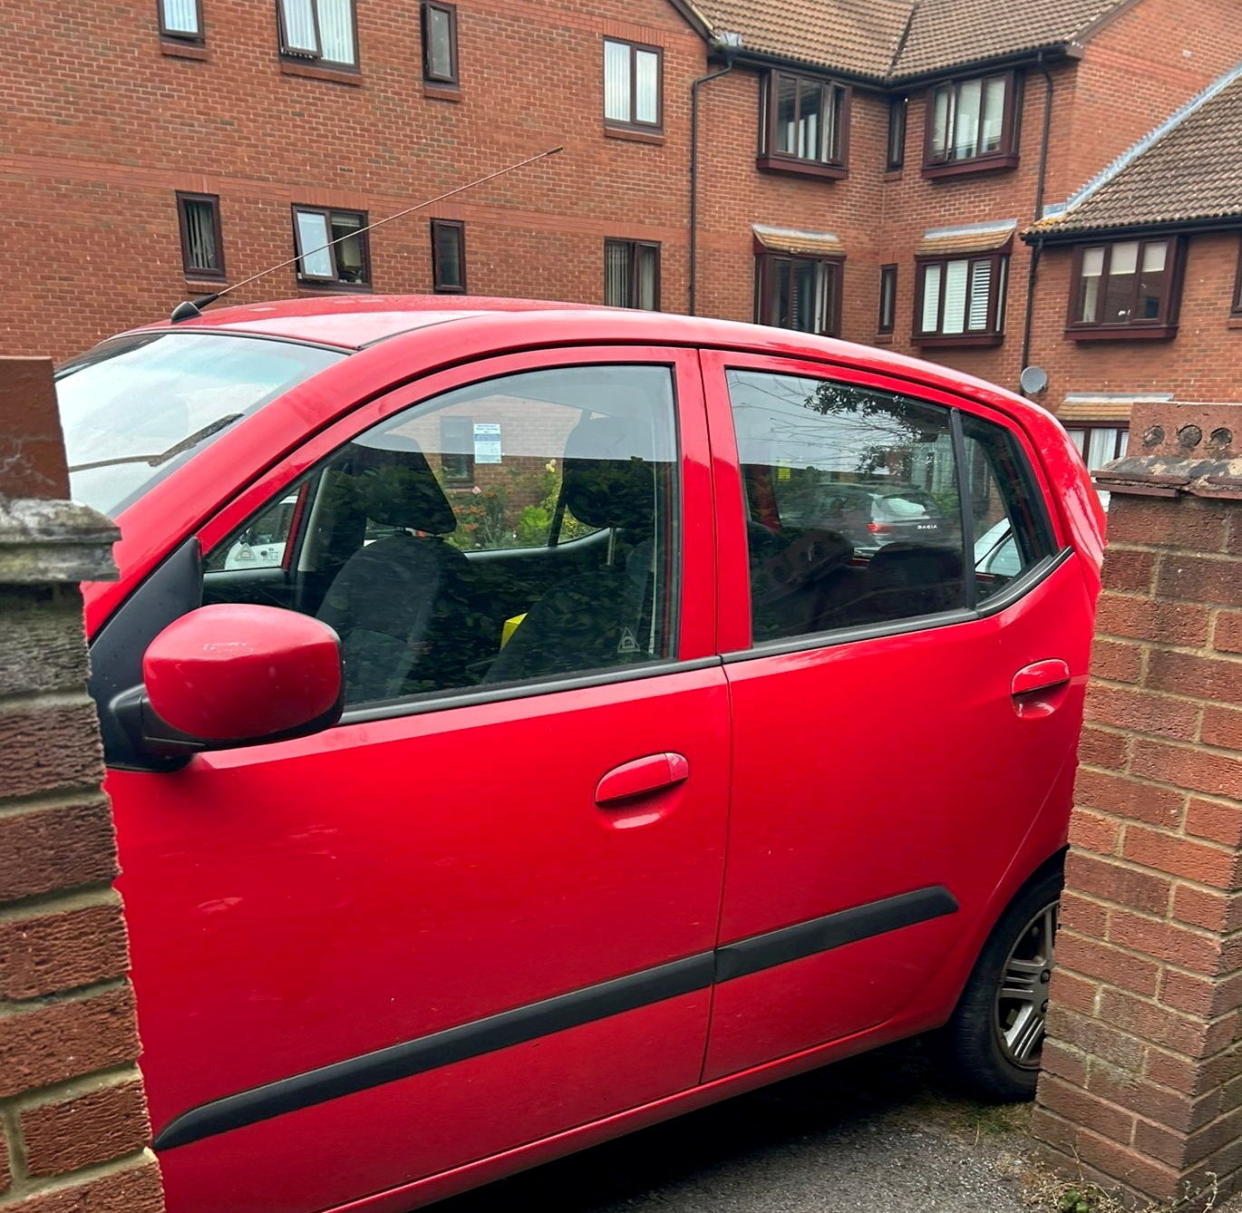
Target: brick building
{"points": [[864, 167]]}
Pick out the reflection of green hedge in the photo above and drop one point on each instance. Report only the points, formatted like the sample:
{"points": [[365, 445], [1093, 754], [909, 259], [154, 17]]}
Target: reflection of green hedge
{"points": [[484, 519]]}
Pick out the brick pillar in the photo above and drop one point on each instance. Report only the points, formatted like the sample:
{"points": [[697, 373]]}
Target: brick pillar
{"points": [[1142, 1087], [73, 1125]]}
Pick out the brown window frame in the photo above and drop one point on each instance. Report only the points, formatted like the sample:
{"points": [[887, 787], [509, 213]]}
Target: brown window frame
{"points": [[197, 273], [765, 285], [1236, 307], [1159, 327], [429, 75], [886, 317], [1122, 428], [438, 284], [998, 287], [316, 57], [895, 142], [1005, 156], [771, 159], [632, 123], [179, 35], [334, 283], [631, 290]]}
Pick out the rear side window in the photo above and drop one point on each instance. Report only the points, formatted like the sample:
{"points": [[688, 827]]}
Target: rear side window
{"points": [[852, 505], [1010, 526], [519, 529]]}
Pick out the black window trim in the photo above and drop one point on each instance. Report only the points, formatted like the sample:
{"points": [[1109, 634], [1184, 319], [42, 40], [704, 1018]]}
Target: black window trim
{"points": [[437, 284], [197, 273], [771, 159], [198, 38], [301, 55], [452, 80], [633, 123], [333, 283]]}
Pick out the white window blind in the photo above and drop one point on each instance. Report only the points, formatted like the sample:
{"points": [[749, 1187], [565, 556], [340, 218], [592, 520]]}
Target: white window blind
{"points": [[647, 87], [966, 121], [993, 113], [1125, 259], [954, 320], [439, 43], [940, 121], [336, 30], [980, 290], [299, 26], [312, 230], [616, 81], [180, 16], [931, 298]]}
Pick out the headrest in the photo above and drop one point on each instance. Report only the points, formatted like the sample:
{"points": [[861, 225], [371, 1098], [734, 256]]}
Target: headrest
{"points": [[910, 564], [396, 487], [606, 482]]}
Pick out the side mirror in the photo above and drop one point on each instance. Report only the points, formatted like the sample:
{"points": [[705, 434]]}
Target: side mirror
{"points": [[233, 675]]}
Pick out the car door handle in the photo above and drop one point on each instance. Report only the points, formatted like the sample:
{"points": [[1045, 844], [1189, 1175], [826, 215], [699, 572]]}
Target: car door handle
{"points": [[1035, 687], [641, 777]]}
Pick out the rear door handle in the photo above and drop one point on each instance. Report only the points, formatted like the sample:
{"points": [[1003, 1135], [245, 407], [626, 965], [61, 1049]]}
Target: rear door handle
{"points": [[1036, 688], [642, 777]]}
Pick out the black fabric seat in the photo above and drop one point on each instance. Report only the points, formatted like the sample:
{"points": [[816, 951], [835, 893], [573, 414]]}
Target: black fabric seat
{"points": [[401, 605], [798, 580], [907, 579], [602, 618]]}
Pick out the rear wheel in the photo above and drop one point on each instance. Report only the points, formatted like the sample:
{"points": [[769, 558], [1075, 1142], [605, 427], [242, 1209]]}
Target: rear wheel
{"points": [[995, 1038]]}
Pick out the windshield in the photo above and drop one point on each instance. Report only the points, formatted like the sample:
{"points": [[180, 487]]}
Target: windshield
{"points": [[134, 408]]}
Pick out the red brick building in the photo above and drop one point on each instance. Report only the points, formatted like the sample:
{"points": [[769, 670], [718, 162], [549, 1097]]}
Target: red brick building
{"points": [[864, 167]]}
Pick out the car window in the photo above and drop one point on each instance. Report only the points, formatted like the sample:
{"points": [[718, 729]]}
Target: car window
{"points": [[1009, 523], [517, 529], [852, 504]]}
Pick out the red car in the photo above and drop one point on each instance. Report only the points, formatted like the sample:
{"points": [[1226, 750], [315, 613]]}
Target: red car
{"points": [[496, 771]]}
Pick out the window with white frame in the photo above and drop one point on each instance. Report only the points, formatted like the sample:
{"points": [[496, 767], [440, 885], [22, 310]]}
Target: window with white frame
{"points": [[320, 30]]}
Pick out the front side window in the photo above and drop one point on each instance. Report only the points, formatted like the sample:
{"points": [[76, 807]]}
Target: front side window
{"points": [[961, 301], [971, 120], [182, 19], [519, 529], [632, 274], [853, 513], [331, 247], [319, 29], [192, 386], [448, 256], [202, 250], [439, 42], [802, 293], [631, 85], [805, 123], [1124, 285]]}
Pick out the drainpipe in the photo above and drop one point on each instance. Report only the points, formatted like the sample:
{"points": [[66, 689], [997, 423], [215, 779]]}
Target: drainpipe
{"points": [[1040, 179], [727, 45]]}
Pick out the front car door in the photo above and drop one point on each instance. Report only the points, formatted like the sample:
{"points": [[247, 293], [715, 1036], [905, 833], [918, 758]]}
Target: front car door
{"points": [[892, 784], [480, 911]]}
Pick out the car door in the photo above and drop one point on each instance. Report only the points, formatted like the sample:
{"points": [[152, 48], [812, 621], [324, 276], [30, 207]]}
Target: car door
{"points": [[480, 910], [893, 767]]}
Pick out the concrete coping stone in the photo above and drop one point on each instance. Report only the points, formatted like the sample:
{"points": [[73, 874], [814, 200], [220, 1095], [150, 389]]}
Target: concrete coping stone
{"points": [[46, 541]]}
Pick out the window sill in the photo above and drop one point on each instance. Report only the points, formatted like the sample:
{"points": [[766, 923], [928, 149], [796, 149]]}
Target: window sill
{"points": [[334, 288], [310, 72], [962, 168], [964, 340], [893, 174], [800, 168], [184, 50], [441, 92], [1234, 322], [1152, 332], [883, 339], [208, 286], [655, 138]]}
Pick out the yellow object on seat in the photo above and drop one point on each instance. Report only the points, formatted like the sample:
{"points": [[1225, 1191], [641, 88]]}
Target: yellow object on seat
{"points": [[509, 627]]}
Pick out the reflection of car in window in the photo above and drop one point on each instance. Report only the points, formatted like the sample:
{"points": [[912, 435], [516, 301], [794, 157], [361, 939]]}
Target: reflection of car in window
{"points": [[869, 515]]}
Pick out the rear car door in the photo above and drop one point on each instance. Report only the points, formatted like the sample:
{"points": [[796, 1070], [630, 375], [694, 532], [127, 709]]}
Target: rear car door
{"points": [[904, 712], [481, 910]]}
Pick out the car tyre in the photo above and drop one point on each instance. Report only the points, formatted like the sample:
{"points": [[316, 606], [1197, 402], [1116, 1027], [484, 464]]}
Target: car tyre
{"points": [[994, 1039]]}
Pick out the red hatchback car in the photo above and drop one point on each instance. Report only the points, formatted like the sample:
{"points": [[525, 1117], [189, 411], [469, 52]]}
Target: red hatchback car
{"points": [[508, 752]]}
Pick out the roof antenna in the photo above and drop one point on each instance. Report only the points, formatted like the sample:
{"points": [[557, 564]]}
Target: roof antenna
{"points": [[191, 309]]}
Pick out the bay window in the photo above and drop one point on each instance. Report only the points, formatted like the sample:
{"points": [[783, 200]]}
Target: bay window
{"points": [[961, 300], [805, 125], [1124, 289], [972, 124], [802, 293]]}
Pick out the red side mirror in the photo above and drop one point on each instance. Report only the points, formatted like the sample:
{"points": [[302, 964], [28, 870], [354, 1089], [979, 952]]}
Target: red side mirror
{"points": [[235, 674]]}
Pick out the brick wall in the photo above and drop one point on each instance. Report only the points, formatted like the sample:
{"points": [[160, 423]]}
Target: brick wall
{"points": [[73, 1125], [1143, 1081]]}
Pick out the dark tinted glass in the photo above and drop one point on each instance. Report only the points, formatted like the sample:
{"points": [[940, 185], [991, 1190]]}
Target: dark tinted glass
{"points": [[853, 514]]}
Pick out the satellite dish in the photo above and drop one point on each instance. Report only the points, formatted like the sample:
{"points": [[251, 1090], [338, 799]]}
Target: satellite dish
{"points": [[1033, 380]]}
